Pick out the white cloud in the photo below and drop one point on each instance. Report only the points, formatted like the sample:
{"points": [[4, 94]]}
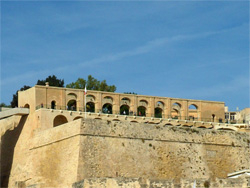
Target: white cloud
{"points": [[149, 46]]}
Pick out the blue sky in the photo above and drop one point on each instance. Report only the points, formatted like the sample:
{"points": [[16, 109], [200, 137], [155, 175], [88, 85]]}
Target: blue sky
{"points": [[184, 49]]}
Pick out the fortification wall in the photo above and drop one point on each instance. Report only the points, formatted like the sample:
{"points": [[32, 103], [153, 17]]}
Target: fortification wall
{"points": [[150, 183], [99, 149], [121, 149]]}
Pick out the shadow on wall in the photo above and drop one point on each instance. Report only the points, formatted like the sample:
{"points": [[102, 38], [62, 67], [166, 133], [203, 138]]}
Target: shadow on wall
{"points": [[8, 143]]}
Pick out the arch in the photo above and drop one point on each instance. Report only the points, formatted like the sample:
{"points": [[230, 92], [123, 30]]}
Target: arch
{"points": [[107, 99], [141, 111], [151, 122], [160, 104], [98, 118], [158, 112], [26, 106], [213, 117], [59, 120], [107, 108], [90, 107], [176, 104], [193, 107], [125, 99], [71, 105], [91, 97], [202, 127], [192, 112], [133, 121], [53, 104], [168, 124], [176, 110], [124, 110], [78, 117], [187, 125], [175, 114], [72, 95], [115, 120], [143, 103], [226, 129]]}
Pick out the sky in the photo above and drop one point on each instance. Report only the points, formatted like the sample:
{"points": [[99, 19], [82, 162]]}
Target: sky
{"points": [[184, 49]]}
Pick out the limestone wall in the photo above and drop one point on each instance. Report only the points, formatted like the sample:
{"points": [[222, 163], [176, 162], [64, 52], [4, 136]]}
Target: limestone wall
{"points": [[119, 149], [150, 183], [90, 149], [55, 155]]}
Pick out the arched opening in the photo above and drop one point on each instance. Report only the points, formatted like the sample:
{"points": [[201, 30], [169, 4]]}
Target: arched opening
{"points": [[90, 97], [124, 110], [160, 104], [168, 124], [107, 108], [53, 105], [186, 125], [125, 99], [133, 121], [226, 129], [175, 114], [143, 103], [158, 112], [213, 117], [98, 118], [175, 111], [151, 122], [26, 106], [192, 107], [90, 107], [176, 105], [108, 99], [78, 117], [59, 120], [192, 112], [141, 111], [71, 105]]}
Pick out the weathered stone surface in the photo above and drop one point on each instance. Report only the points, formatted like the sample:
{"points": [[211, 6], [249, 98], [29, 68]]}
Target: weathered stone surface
{"points": [[136, 183], [124, 154], [149, 151]]}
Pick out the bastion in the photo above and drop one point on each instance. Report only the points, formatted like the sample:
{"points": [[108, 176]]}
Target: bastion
{"points": [[59, 146]]}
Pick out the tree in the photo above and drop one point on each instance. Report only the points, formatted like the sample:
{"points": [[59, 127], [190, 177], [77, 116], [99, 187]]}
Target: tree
{"points": [[79, 84], [4, 105], [92, 84], [14, 102], [53, 81]]}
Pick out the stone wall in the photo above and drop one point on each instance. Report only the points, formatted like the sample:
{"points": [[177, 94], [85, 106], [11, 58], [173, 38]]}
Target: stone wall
{"points": [[149, 183], [55, 155], [121, 149], [98, 150]]}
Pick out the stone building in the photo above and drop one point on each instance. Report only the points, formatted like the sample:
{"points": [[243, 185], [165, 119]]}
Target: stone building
{"points": [[239, 116], [50, 141], [117, 103]]}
